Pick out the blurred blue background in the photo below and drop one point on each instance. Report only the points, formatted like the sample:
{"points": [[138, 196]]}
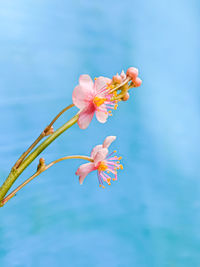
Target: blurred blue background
{"points": [[151, 215]]}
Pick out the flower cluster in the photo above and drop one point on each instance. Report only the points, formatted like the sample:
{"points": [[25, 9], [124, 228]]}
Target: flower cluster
{"points": [[102, 96]]}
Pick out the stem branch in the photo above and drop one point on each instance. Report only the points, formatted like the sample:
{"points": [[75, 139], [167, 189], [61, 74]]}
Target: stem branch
{"points": [[12, 194], [14, 174], [40, 137]]}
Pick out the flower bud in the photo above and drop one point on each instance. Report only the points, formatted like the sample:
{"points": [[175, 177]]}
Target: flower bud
{"points": [[125, 97], [137, 82], [48, 131], [41, 165], [117, 79], [123, 75], [132, 73]]}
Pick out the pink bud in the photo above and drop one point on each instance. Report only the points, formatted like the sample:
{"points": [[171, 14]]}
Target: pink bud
{"points": [[126, 97], [137, 82], [132, 73], [123, 75], [117, 78]]}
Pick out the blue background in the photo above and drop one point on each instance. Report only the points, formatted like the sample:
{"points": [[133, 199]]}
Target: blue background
{"points": [[151, 215]]}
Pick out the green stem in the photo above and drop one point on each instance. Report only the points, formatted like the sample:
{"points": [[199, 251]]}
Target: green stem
{"points": [[40, 137], [14, 174], [46, 167]]}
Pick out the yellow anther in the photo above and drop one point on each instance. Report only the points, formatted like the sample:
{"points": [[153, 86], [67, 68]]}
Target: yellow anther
{"points": [[120, 158], [102, 167], [109, 111], [115, 151], [118, 162], [110, 86], [121, 167], [109, 183], [98, 101], [108, 180], [95, 78], [114, 179], [115, 107]]}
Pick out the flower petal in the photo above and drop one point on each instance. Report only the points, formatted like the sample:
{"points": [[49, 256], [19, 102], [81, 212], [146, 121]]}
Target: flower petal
{"points": [[84, 92], [86, 116], [95, 150], [86, 81], [107, 142], [102, 115], [100, 155], [83, 171], [101, 82]]}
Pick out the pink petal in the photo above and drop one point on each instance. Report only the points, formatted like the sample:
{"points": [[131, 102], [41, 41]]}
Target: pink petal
{"points": [[123, 75], [107, 142], [86, 116], [84, 92], [95, 150], [79, 97], [100, 155], [101, 82], [102, 115], [86, 81], [83, 171]]}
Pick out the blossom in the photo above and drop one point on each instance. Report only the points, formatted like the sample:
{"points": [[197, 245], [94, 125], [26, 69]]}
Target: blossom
{"points": [[93, 97], [101, 96], [103, 163]]}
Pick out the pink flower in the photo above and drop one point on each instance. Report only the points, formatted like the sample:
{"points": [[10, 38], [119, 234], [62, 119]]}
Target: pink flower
{"points": [[93, 98], [103, 163]]}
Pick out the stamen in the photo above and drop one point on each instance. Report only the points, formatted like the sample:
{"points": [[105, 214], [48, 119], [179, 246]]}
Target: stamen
{"points": [[99, 101], [110, 154], [102, 167], [109, 167]]}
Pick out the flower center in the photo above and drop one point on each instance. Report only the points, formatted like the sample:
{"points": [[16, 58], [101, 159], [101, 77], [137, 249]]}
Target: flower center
{"points": [[102, 166], [98, 101]]}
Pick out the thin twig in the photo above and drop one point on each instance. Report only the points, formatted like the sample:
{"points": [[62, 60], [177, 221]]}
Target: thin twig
{"points": [[40, 137], [13, 193]]}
